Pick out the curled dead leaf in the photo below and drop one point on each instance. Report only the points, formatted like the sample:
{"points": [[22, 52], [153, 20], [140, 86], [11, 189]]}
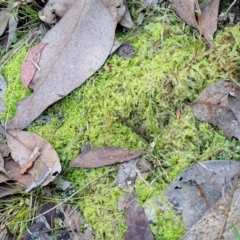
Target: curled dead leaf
{"points": [[203, 17], [22, 144]]}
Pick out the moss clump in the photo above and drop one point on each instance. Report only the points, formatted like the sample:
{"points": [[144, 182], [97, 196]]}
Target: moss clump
{"points": [[15, 90], [147, 89]]}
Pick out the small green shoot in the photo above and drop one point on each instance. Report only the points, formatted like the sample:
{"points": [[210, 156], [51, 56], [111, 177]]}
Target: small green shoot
{"points": [[236, 232]]}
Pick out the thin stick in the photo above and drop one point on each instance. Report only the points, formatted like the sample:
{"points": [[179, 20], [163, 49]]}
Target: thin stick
{"points": [[124, 120]]}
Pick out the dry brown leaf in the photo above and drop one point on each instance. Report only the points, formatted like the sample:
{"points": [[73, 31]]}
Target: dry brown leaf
{"points": [[116, 8], [210, 226], [4, 150], [54, 9], [103, 156], [7, 189], [185, 9], [12, 28], [21, 181], [2, 169], [210, 20], [196, 189], [234, 105], [4, 17], [136, 220], [13, 170], [22, 143], [204, 17], [60, 73], [212, 106], [72, 218], [127, 174], [67, 216], [38, 230], [58, 8], [126, 20]]}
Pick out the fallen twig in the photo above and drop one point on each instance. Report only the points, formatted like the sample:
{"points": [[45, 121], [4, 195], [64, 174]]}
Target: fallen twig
{"points": [[137, 131]]}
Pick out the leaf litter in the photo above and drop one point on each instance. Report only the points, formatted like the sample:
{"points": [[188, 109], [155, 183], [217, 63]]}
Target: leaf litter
{"points": [[22, 145], [136, 220], [217, 112], [218, 105], [51, 216], [218, 222], [196, 189], [77, 47], [203, 17]]}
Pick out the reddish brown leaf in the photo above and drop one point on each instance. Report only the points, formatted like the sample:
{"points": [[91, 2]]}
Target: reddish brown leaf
{"points": [[71, 43], [30, 63], [103, 156], [136, 220]]}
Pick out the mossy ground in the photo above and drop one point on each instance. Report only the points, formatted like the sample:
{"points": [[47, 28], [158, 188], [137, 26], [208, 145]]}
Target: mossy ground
{"points": [[148, 89]]}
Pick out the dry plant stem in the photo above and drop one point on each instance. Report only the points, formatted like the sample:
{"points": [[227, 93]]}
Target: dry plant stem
{"points": [[228, 205], [124, 120], [199, 14], [203, 195], [65, 200], [233, 3], [69, 222]]}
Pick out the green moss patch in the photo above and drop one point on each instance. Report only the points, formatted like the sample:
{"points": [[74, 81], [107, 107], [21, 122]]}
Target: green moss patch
{"points": [[153, 90]]}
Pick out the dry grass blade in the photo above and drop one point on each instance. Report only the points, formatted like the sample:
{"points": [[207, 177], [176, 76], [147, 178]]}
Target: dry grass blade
{"points": [[27, 40], [64, 200]]}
